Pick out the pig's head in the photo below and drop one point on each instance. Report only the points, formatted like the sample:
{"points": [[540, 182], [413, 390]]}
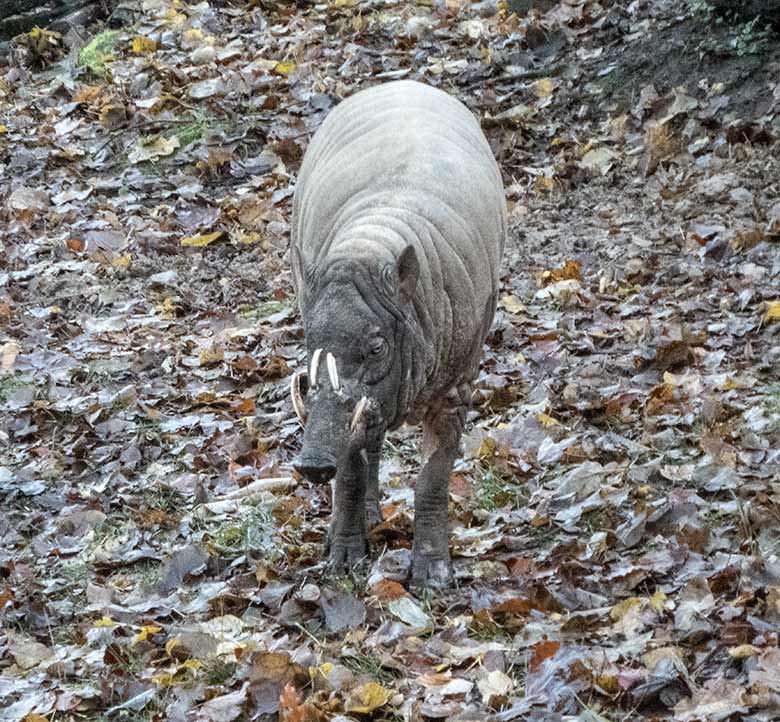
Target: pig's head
{"points": [[356, 331]]}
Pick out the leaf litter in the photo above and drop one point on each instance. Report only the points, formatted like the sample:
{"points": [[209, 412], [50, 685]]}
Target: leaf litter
{"points": [[614, 518]]}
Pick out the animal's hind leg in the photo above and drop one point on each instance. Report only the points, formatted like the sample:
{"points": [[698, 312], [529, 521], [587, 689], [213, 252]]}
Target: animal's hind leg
{"points": [[442, 429]]}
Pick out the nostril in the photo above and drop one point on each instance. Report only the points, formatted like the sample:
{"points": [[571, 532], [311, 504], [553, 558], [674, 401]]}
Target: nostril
{"points": [[317, 471]]}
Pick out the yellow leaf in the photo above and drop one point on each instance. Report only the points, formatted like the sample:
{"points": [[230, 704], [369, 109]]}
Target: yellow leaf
{"points": [[543, 183], [743, 651], [658, 602], [545, 420], [143, 45], [247, 238], [212, 355], [105, 622], [164, 679], [174, 17], [487, 448], [285, 67], [171, 644], [34, 717], [192, 664], [122, 261], [622, 608], [544, 87], [201, 240], [167, 308], [772, 312], [3, 129], [511, 303], [146, 632], [344, 3], [8, 353], [193, 35], [367, 698]]}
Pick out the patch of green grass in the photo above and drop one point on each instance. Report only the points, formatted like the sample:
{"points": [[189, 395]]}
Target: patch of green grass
{"points": [[364, 665], [523, 7], [217, 672], [772, 400], [95, 54], [10, 383], [610, 84], [254, 533], [75, 571], [494, 492], [149, 575], [736, 38], [66, 634], [262, 310]]}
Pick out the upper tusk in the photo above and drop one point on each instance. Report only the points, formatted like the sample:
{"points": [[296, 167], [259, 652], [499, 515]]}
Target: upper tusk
{"points": [[315, 362], [359, 409], [297, 398], [333, 372]]}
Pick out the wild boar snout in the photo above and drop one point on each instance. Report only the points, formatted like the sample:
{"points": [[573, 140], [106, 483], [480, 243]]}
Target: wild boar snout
{"points": [[316, 467]]}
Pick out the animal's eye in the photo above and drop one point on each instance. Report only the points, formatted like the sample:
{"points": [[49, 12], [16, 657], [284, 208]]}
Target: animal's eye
{"points": [[376, 347]]}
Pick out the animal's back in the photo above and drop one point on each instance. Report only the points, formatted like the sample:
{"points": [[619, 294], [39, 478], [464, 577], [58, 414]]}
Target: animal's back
{"points": [[403, 163]]}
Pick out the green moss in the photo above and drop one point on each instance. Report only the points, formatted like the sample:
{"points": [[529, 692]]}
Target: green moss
{"points": [[98, 51], [262, 310], [189, 133], [8, 384]]}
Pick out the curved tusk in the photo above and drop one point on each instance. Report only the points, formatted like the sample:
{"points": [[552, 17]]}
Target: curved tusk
{"points": [[359, 410], [315, 362], [297, 397], [333, 372]]}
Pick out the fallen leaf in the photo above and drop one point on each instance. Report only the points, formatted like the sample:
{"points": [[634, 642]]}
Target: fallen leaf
{"points": [[26, 651], [153, 149], [367, 698], [495, 686], [201, 240], [772, 312], [410, 613], [143, 45], [387, 590], [285, 67], [544, 87]]}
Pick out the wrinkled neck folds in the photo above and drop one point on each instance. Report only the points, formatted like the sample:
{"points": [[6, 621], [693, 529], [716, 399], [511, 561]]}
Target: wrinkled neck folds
{"points": [[343, 277]]}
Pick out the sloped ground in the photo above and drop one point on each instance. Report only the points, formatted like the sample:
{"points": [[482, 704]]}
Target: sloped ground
{"points": [[615, 518]]}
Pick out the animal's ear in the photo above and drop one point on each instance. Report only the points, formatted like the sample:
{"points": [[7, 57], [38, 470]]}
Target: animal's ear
{"points": [[408, 270]]}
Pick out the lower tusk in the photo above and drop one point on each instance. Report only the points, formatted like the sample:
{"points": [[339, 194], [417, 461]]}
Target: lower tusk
{"points": [[297, 397], [333, 372], [359, 411], [315, 362]]}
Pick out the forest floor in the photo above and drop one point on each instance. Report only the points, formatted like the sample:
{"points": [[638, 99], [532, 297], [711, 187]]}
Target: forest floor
{"points": [[615, 517]]}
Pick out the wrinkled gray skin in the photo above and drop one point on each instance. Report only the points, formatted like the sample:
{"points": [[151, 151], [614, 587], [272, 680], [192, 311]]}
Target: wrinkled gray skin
{"points": [[399, 223]]}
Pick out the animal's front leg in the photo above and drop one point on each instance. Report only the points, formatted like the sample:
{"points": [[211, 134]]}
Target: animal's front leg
{"points": [[374, 454], [348, 536], [441, 440]]}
